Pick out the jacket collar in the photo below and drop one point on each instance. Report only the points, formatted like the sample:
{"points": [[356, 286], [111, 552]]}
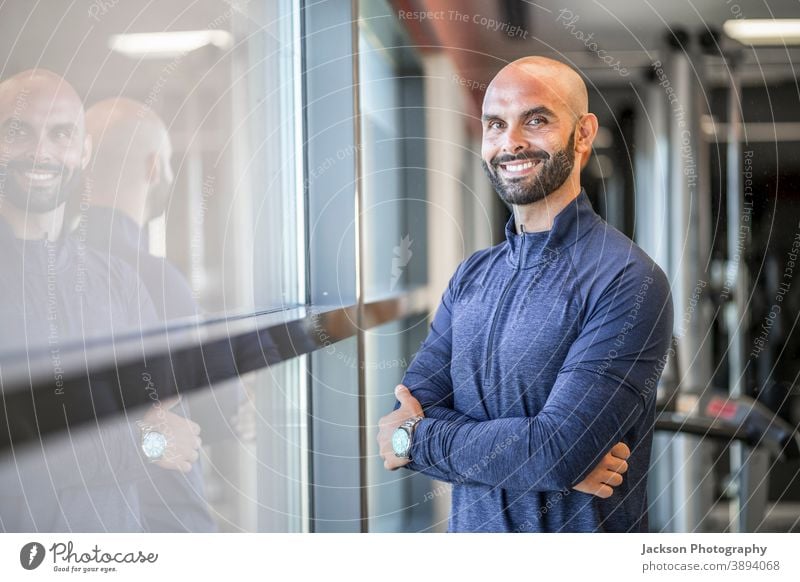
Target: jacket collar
{"points": [[531, 248], [36, 256]]}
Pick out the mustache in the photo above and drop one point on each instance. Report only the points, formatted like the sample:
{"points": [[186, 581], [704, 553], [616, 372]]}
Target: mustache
{"points": [[541, 155], [24, 166]]}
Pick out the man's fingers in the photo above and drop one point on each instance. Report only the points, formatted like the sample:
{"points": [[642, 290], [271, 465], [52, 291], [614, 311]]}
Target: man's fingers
{"points": [[406, 398], [604, 491], [617, 465], [402, 393], [598, 490], [407, 401], [385, 447], [621, 451], [613, 479]]}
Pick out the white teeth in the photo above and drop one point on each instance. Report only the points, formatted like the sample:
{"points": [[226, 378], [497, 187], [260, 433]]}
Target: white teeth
{"points": [[519, 167], [38, 176]]}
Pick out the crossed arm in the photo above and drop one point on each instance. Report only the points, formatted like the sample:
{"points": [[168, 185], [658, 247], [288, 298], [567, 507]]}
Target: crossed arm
{"points": [[599, 481], [595, 400]]}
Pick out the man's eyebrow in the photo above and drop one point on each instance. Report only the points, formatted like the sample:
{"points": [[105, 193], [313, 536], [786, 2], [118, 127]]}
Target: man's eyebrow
{"points": [[71, 127], [539, 110], [17, 122]]}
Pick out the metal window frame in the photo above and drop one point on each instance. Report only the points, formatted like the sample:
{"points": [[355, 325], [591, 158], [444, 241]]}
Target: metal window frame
{"points": [[289, 334]]}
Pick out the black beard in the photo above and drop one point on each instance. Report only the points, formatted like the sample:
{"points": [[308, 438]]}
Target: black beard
{"points": [[552, 174], [38, 200]]}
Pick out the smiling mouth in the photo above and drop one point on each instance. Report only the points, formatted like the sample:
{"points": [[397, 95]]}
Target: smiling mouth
{"points": [[519, 167], [39, 176]]}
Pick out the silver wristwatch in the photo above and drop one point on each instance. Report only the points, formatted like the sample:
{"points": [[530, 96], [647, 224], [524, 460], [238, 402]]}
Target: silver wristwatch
{"points": [[403, 436], [154, 443]]}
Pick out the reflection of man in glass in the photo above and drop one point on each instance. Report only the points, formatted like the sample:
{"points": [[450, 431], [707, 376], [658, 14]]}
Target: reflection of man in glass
{"points": [[130, 179], [59, 297], [544, 353]]}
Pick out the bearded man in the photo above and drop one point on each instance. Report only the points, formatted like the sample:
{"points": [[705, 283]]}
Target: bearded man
{"points": [[534, 392]]}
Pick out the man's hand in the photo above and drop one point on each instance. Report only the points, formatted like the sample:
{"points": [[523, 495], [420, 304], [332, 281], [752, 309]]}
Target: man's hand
{"points": [[607, 474], [183, 436], [409, 408]]}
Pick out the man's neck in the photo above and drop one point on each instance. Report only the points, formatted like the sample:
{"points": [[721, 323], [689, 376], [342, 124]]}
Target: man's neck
{"points": [[28, 225], [539, 215]]}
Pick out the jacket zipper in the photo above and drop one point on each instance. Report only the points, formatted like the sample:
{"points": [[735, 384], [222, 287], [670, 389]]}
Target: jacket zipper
{"points": [[500, 306]]}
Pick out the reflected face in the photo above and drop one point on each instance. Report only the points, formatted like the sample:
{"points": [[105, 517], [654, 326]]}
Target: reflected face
{"points": [[42, 147], [528, 147]]}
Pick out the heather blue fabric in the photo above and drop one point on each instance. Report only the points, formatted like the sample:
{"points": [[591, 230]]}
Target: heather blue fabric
{"points": [[544, 353]]}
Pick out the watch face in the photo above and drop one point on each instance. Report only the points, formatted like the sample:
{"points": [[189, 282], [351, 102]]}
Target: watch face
{"points": [[154, 444], [400, 442]]}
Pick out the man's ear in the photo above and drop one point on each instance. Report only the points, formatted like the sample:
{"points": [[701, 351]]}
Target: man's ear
{"points": [[87, 150], [585, 133], [153, 169]]}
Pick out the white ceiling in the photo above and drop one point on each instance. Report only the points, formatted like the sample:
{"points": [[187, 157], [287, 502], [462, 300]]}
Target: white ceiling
{"points": [[631, 31], [71, 37], [63, 36]]}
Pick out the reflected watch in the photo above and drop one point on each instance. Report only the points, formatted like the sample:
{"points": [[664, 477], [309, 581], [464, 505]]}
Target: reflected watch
{"points": [[154, 443], [403, 436]]}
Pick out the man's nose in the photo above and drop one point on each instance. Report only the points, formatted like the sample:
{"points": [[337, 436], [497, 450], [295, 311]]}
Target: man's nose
{"points": [[515, 141], [41, 153]]}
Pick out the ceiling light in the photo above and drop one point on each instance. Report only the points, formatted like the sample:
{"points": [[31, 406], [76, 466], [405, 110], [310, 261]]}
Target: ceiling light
{"points": [[168, 44], [764, 31]]}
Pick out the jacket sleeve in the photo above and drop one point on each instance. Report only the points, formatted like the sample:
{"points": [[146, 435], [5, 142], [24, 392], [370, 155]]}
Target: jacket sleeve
{"points": [[428, 376], [605, 384]]}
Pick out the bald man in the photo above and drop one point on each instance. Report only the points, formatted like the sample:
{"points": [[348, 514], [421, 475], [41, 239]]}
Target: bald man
{"points": [[537, 380], [131, 179], [58, 298]]}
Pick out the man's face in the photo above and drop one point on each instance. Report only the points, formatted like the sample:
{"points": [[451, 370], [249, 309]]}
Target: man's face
{"points": [[42, 149], [528, 145]]}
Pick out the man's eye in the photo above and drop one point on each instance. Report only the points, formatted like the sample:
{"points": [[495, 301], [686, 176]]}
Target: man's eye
{"points": [[537, 121], [495, 125]]}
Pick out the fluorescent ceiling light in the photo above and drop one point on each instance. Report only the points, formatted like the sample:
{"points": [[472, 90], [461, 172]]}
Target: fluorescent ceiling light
{"points": [[764, 31], [168, 44]]}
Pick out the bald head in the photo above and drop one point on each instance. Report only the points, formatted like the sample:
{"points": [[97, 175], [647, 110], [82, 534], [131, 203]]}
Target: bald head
{"points": [[37, 87], [130, 167], [120, 119], [124, 132], [551, 79], [44, 146]]}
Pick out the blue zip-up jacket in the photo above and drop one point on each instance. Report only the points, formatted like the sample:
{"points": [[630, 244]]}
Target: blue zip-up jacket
{"points": [[545, 352]]}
